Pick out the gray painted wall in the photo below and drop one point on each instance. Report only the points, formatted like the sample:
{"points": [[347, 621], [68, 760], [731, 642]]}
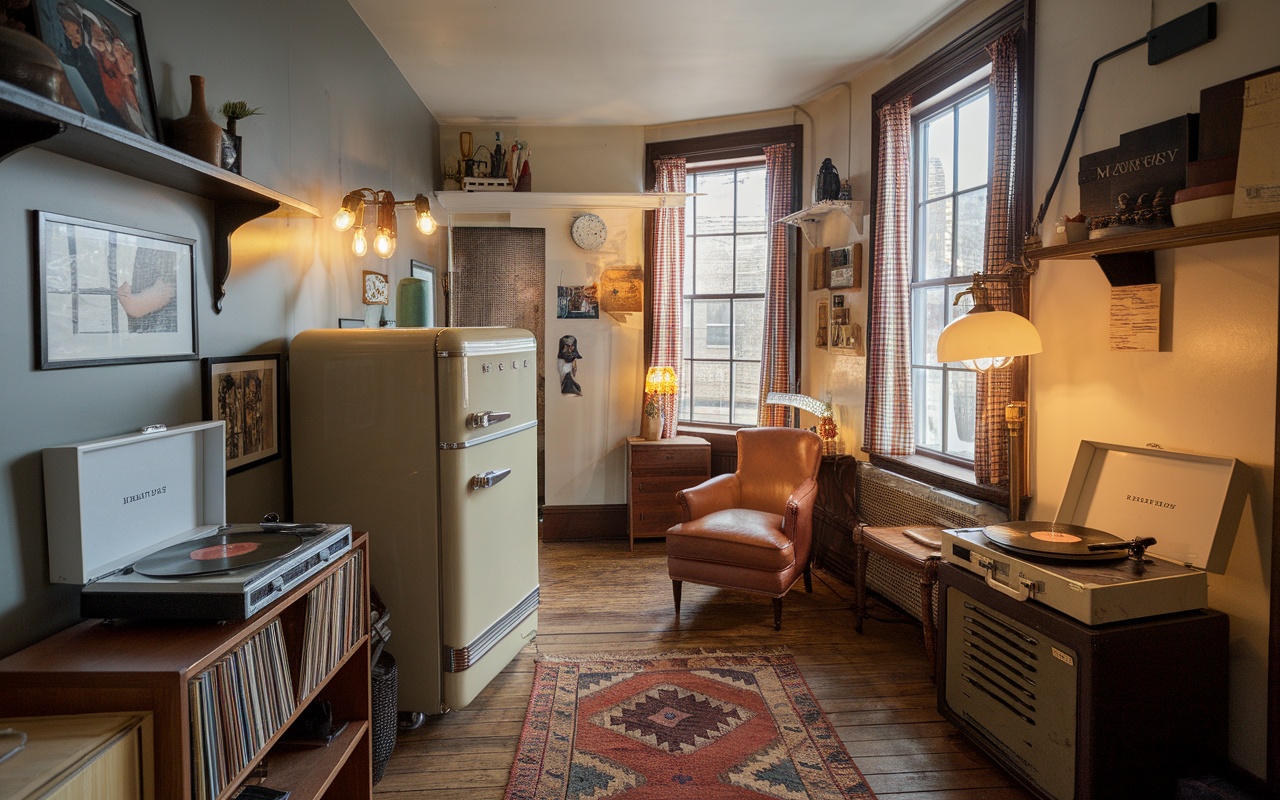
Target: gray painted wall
{"points": [[337, 116]]}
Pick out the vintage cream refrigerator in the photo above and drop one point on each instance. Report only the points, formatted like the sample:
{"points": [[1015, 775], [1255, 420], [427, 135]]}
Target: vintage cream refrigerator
{"points": [[427, 438]]}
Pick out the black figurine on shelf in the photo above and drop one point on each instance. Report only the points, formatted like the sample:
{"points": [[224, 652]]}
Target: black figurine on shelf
{"points": [[498, 161], [826, 186]]}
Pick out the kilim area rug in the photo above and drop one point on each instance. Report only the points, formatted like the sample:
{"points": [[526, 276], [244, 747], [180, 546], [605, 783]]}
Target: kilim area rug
{"points": [[704, 726]]}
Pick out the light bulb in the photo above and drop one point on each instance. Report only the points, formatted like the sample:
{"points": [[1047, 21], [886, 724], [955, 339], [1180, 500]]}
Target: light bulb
{"points": [[384, 244], [426, 224], [344, 219], [988, 364], [359, 245]]}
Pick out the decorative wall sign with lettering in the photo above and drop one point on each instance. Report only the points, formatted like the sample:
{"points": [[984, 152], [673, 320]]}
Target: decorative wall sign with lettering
{"points": [[1134, 183]]}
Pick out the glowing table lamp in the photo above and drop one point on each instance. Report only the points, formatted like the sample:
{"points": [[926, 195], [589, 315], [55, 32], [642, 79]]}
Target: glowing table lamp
{"points": [[659, 382], [985, 339]]}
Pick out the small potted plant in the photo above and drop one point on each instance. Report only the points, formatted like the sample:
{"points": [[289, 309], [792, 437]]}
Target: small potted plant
{"points": [[234, 110]]}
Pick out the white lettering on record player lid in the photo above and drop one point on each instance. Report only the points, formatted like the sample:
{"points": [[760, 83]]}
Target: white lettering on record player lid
{"points": [[1190, 503], [111, 501]]}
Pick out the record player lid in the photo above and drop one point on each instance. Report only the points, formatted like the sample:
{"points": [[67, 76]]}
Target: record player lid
{"points": [[1190, 503], [110, 501]]}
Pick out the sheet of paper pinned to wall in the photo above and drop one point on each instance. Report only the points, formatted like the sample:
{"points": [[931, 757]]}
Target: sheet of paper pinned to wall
{"points": [[1135, 317], [1258, 171]]}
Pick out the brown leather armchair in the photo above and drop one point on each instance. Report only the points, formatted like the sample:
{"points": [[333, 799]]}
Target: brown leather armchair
{"points": [[751, 530]]}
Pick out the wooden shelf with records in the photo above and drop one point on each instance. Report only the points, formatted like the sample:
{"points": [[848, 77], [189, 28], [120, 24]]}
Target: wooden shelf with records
{"points": [[190, 676]]}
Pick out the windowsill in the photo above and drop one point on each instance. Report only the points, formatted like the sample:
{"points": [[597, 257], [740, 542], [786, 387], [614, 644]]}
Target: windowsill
{"points": [[723, 438], [942, 475]]}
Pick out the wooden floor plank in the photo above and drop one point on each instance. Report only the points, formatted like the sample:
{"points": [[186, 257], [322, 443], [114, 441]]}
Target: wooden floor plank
{"points": [[600, 598]]}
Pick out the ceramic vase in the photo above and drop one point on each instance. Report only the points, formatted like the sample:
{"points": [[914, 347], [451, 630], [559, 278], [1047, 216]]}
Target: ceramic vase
{"points": [[651, 426], [197, 134], [412, 303]]}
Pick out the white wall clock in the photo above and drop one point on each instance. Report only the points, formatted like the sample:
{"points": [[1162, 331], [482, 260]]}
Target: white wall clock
{"points": [[588, 232]]}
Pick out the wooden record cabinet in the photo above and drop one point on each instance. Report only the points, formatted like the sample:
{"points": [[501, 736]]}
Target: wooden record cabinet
{"points": [[1077, 712]]}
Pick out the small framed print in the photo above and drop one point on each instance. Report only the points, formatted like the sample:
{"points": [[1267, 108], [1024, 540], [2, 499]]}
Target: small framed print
{"points": [[112, 295], [350, 322], [845, 267], [377, 291], [244, 392]]}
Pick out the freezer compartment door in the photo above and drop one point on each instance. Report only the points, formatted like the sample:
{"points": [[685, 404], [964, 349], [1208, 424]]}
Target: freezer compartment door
{"points": [[488, 384], [489, 551]]}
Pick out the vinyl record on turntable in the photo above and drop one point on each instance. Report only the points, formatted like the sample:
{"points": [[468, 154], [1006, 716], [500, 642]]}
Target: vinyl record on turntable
{"points": [[221, 552], [1053, 540]]}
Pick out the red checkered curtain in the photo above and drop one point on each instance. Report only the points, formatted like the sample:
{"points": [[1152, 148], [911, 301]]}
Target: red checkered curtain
{"points": [[775, 360], [668, 282], [995, 388], [888, 428]]}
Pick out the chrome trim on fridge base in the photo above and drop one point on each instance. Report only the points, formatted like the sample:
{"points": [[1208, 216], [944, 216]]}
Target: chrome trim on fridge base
{"points": [[482, 439], [459, 659]]}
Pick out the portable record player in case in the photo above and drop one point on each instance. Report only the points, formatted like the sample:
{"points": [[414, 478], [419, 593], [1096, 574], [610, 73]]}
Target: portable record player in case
{"points": [[140, 522], [1190, 504]]}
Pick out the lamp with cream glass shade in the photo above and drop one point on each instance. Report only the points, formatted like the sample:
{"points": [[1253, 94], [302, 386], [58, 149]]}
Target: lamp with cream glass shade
{"points": [[985, 339], [659, 382]]}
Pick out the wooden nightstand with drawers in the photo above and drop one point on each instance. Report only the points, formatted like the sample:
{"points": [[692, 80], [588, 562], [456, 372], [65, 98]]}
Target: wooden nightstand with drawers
{"points": [[656, 470]]}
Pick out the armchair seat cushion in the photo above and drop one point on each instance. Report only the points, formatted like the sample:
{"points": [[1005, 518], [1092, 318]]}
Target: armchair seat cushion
{"points": [[740, 537]]}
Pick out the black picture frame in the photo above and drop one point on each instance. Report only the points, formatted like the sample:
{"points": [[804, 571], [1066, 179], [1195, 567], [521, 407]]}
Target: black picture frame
{"points": [[245, 392], [97, 286], [350, 322], [111, 82]]}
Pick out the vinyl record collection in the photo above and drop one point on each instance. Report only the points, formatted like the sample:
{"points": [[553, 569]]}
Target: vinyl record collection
{"points": [[335, 622], [239, 703], [236, 706]]}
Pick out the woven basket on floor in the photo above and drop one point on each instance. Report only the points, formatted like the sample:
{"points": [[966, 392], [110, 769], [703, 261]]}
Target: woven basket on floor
{"points": [[385, 700]]}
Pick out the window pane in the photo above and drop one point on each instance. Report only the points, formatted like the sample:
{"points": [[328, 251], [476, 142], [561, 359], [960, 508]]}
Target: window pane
{"points": [[971, 231], [685, 388], [926, 387], [713, 212], [713, 265], [939, 155], [748, 329], [928, 316], [710, 329], [974, 144], [751, 263], [690, 255], [746, 393], [953, 310], [686, 336], [711, 391], [962, 400], [935, 240], [751, 200]]}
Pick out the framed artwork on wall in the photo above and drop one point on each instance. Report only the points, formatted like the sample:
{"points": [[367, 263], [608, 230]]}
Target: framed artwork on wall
{"points": [[818, 267], [104, 56], [377, 291], [350, 322], [823, 325], [845, 267], [244, 392], [112, 295]]}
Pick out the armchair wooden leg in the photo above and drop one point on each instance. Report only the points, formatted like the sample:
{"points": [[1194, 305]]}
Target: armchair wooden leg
{"points": [[675, 590], [777, 613], [808, 578]]}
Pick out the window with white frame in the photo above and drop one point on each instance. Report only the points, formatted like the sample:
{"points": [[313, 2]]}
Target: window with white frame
{"points": [[726, 259], [951, 167]]}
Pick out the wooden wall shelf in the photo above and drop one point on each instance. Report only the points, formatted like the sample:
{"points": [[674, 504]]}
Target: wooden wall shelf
{"points": [[1164, 239], [455, 202], [27, 119]]}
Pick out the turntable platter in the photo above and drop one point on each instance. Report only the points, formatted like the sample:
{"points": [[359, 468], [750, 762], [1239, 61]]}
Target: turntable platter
{"points": [[221, 552], [1053, 540]]}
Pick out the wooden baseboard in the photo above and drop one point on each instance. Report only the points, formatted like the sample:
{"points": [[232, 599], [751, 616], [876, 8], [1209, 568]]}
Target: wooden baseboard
{"points": [[578, 523]]}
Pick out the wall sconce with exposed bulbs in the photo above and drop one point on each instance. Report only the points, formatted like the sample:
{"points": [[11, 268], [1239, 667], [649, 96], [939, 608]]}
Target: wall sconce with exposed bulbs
{"points": [[352, 213]]}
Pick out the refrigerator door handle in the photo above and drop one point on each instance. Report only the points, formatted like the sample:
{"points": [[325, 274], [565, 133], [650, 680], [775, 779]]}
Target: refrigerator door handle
{"points": [[486, 418], [486, 480]]}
